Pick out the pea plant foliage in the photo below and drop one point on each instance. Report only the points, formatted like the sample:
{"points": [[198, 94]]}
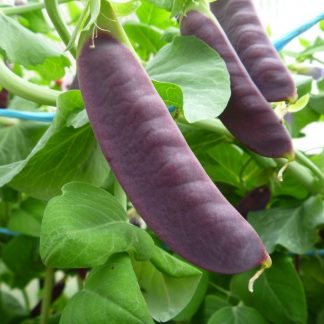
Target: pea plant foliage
{"points": [[150, 166]]}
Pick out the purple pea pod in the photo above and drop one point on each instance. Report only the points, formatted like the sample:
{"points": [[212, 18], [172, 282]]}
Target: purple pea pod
{"points": [[150, 158], [243, 28], [257, 199], [248, 116]]}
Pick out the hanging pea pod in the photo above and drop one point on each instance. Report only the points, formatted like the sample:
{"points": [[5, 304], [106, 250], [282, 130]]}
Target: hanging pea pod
{"points": [[244, 30], [247, 116], [155, 166]]}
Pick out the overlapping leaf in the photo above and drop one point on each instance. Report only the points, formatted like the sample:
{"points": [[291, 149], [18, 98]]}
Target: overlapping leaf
{"points": [[111, 295], [85, 226], [292, 228], [168, 284], [199, 71]]}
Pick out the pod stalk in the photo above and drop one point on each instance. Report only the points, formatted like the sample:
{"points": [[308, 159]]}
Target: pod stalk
{"points": [[265, 265]]}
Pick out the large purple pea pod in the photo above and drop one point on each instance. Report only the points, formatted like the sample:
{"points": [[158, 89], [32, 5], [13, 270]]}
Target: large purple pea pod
{"points": [[248, 116], [243, 28], [156, 167]]}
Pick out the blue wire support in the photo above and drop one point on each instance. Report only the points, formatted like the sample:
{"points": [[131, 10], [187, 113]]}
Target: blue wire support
{"points": [[315, 253], [8, 232], [46, 117], [281, 42]]}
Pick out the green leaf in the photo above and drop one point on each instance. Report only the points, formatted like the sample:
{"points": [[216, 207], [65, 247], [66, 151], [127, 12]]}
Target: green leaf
{"points": [[111, 295], [199, 71], [72, 112], [317, 46], [314, 292], [290, 186], [170, 93], [19, 103], [278, 293], [170, 33], [316, 103], [168, 284], [301, 119], [231, 165], [61, 156], [319, 160], [292, 228], [74, 11], [27, 218], [35, 21], [321, 24], [199, 139], [30, 50], [21, 255], [212, 304], [304, 42], [303, 84], [313, 267], [178, 7], [320, 85], [188, 312], [145, 37], [150, 14], [164, 4], [10, 309], [181, 7], [86, 225], [237, 315], [17, 141], [125, 8]]}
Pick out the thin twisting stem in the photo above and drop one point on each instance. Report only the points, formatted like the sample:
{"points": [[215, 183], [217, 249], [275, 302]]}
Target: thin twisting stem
{"points": [[47, 296], [25, 89], [61, 28]]}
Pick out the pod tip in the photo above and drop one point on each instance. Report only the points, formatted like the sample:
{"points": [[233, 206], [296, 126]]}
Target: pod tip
{"points": [[264, 265], [290, 155]]}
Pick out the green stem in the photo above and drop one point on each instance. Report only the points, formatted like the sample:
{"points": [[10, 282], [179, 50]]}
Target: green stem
{"points": [[219, 288], [47, 295], [227, 293], [212, 125], [317, 60], [120, 194], [25, 89], [303, 159], [17, 10], [108, 21], [61, 28], [297, 171]]}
